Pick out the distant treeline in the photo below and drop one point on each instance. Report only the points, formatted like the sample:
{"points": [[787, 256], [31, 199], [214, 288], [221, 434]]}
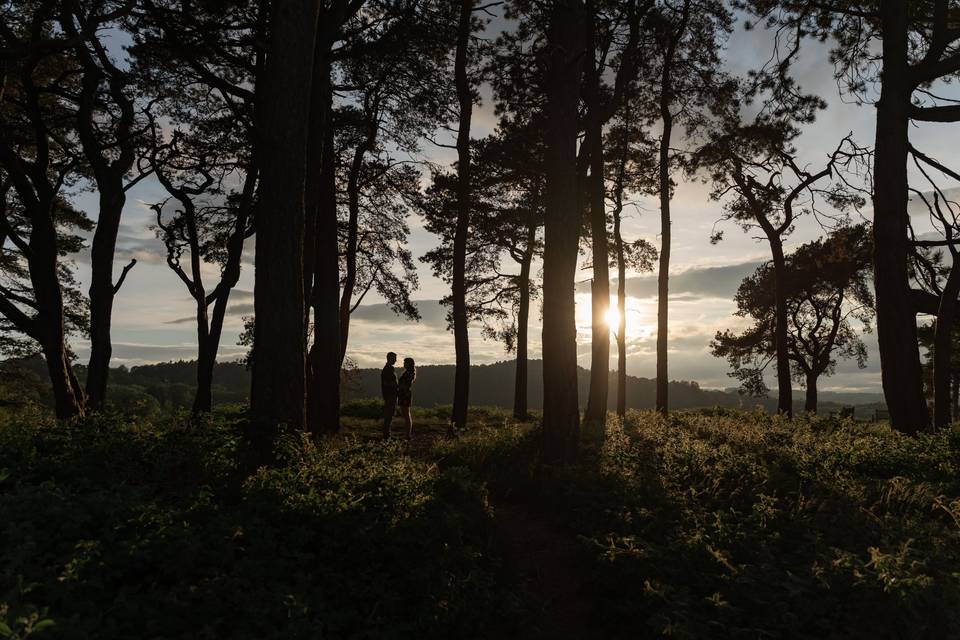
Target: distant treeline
{"points": [[154, 388]]}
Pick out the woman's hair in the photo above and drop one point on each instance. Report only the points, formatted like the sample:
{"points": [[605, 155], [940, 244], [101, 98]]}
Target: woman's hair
{"points": [[410, 366]]}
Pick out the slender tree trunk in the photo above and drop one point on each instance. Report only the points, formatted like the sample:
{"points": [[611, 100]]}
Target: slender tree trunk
{"points": [[781, 344], [896, 320], [663, 275], [595, 415], [561, 415], [810, 403], [461, 339], [283, 95], [943, 349], [520, 410], [101, 293], [622, 326], [350, 277], [325, 353]]}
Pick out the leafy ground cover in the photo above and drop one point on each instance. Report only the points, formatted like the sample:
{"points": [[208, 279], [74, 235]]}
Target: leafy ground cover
{"points": [[706, 525]]}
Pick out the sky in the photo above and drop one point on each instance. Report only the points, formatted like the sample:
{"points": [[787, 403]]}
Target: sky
{"points": [[153, 313]]}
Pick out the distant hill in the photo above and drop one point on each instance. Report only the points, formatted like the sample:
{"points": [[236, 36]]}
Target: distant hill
{"points": [[169, 385]]}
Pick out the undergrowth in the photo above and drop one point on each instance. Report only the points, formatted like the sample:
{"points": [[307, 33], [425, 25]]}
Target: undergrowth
{"points": [[703, 525]]}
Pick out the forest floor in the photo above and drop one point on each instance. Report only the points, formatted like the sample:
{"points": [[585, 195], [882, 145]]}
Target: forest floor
{"points": [[709, 524]]}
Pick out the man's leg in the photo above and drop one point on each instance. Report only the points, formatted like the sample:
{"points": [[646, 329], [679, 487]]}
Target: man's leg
{"points": [[389, 408]]}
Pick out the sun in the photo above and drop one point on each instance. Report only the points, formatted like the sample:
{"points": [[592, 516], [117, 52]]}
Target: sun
{"points": [[612, 317]]}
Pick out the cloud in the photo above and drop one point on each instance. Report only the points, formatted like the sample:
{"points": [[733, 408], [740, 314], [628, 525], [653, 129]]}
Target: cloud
{"points": [[691, 284], [140, 353], [240, 309]]}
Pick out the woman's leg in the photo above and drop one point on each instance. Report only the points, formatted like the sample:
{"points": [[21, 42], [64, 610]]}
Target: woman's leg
{"points": [[408, 420]]}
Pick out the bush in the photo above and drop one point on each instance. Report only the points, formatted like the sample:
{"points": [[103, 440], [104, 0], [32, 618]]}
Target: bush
{"points": [[116, 527]]}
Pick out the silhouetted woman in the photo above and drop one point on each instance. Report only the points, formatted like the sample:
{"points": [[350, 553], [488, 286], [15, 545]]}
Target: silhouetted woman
{"points": [[405, 393]]}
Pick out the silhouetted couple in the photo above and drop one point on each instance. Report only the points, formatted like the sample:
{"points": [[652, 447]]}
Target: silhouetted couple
{"points": [[397, 392]]}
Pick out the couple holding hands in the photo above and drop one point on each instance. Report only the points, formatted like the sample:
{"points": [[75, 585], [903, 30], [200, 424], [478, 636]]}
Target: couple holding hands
{"points": [[397, 392]]}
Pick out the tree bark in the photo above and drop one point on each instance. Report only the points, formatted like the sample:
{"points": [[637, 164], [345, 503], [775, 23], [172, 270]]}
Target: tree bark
{"points": [[595, 415], [943, 349], [896, 321], [461, 338], [663, 273], [326, 352], [353, 208], [780, 339], [561, 415], [596, 411], [109, 172], [622, 326], [520, 410], [277, 390], [810, 403], [50, 332], [103, 248]]}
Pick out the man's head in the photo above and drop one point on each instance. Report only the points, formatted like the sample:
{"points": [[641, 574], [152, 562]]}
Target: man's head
{"points": [[391, 358]]}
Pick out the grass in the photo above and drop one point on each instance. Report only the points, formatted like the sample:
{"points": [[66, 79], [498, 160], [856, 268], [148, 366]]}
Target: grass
{"points": [[705, 525]]}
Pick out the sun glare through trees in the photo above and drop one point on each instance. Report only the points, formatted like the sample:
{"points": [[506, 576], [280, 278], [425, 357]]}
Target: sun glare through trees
{"points": [[479, 319]]}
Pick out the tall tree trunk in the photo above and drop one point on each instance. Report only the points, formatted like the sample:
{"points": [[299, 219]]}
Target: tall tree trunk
{"points": [[520, 410], [943, 349], [283, 95], [325, 353], [561, 415], [461, 339], [596, 412], [896, 320], [663, 273], [780, 339], [353, 207], [68, 400], [810, 403], [622, 325], [102, 292]]}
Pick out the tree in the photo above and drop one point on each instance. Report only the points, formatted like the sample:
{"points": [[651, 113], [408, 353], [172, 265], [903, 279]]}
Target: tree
{"points": [[689, 84], [606, 27], [357, 42], [458, 294], [829, 304], [937, 282], [506, 214], [756, 165], [902, 48], [209, 224], [632, 152], [282, 120], [39, 159], [109, 134], [203, 93], [563, 62]]}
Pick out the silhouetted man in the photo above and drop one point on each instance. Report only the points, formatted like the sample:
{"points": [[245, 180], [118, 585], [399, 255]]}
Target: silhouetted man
{"points": [[388, 387]]}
